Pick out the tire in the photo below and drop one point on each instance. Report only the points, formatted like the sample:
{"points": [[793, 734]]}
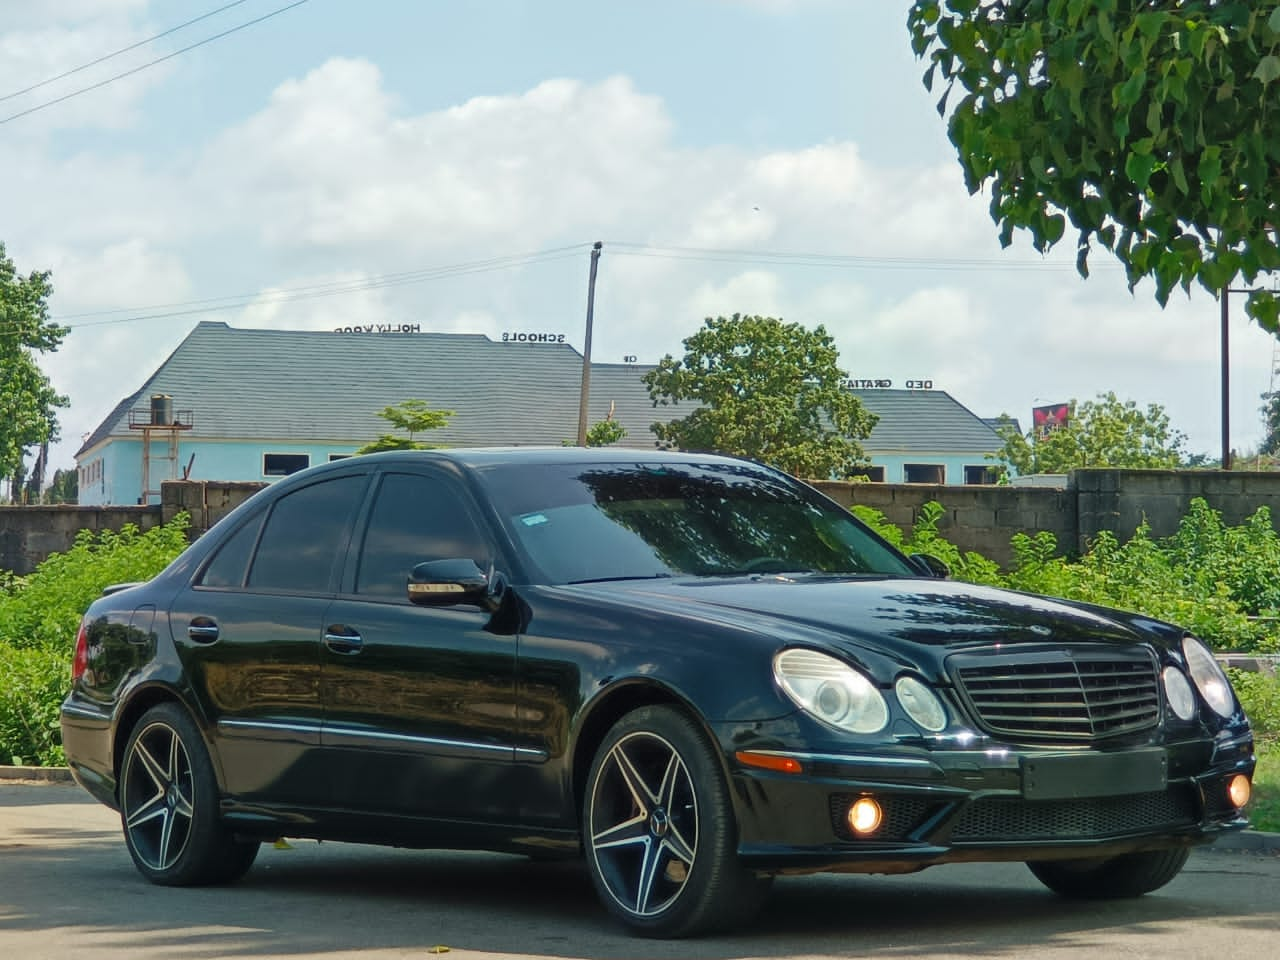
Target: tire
{"points": [[169, 805], [659, 830], [1116, 878]]}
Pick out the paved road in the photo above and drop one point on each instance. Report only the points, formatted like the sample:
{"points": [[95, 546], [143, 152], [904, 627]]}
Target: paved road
{"points": [[68, 889]]}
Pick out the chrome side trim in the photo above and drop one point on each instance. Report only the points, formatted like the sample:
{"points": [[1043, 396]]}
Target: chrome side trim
{"points": [[354, 737], [270, 730]]}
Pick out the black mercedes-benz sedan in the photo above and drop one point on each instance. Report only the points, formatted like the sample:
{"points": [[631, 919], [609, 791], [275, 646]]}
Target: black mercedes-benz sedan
{"points": [[693, 671]]}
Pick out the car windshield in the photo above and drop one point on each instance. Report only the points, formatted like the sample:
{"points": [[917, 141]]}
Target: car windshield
{"points": [[590, 522]]}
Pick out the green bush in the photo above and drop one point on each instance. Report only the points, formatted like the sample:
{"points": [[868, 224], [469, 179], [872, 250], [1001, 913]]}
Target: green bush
{"points": [[39, 617], [44, 609], [33, 682], [1222, 583], [1259, 694]]}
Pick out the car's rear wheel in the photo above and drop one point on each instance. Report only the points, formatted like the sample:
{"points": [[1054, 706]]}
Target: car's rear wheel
{"points": [[1112, 878], [659, 829], [169, 805]]}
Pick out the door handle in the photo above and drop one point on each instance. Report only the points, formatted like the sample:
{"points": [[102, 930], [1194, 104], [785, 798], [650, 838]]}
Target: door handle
{"points": [[202, 630], [342, 639]]}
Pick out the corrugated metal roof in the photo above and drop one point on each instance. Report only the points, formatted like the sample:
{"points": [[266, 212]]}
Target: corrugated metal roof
{"points": [[317, 385], [925, 421], [250, 384]]}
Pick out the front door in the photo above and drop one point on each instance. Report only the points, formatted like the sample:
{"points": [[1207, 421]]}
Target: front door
{"points": [[419, 703]]}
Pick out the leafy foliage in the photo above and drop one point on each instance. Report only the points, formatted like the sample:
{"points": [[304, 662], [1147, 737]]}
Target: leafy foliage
{"points": [[1142, 123], [605, 432], [1105, 432], [1259, 694], [925, 538], [412, 416], [1271, 420], [1209, 577], [28, 402], [766, 389], [39, 617]]}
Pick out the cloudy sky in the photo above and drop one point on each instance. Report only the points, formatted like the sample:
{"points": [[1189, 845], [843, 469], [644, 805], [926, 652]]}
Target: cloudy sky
{"points": [[450, 163]]}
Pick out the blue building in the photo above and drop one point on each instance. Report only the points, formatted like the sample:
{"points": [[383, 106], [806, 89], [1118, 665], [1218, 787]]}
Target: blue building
{"points": [[244, 404]]}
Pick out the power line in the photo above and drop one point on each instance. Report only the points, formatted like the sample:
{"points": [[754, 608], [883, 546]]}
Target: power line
{"points": [[152, 63], [353, 286], [841, 261], [116, 53], [316, 291]]}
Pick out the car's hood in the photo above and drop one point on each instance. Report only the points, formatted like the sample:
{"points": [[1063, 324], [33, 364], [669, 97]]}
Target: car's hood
{"points": [[913, 621]]}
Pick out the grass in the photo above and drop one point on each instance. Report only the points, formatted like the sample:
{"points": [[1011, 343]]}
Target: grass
{"points": [[1264, 810]]}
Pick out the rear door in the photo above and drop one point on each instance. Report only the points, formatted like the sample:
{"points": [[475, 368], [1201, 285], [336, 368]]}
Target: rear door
{"points": [[248, 630]]}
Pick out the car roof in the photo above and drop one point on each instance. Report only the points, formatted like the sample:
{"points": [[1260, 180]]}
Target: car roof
{"points": [[481, 457]]}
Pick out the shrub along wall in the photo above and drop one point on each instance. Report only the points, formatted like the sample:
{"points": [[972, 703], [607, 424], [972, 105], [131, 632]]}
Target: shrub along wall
{"points": [[29, 534], [978, 518], [984, 518]]}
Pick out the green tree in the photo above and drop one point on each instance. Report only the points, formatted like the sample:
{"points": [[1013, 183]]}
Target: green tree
{"points": [[27, 399], [63, 488], [412, 416], [1271, 420], [766, 389], [1105, 432], [1143, 123]]}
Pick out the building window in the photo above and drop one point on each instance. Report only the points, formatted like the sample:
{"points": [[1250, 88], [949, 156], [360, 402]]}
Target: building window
{"points": [[980, 475], [283, 464], [339, 456], [874, 474], [924, 473]]}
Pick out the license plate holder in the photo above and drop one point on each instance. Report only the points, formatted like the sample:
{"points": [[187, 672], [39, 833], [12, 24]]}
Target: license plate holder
{"points": [[1074, 776]]}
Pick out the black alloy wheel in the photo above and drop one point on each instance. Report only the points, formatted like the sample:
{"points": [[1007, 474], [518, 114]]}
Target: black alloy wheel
{"points": [[169, 805], [659, 829]]}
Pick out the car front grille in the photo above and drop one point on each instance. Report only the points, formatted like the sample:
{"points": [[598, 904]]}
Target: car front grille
{"points": [[1080, 695], [1015, 819]]}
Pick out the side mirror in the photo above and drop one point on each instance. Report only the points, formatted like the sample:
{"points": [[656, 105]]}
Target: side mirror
{"points": [[446, 583], [927, 565]]}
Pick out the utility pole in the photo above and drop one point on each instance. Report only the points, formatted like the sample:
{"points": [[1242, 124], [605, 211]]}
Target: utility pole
{"points": [[586, 347], [1226, 392]]}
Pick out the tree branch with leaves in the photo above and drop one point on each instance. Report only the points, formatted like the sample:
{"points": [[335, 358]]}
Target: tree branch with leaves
{"points": [[1143, 124], [28, 401]]}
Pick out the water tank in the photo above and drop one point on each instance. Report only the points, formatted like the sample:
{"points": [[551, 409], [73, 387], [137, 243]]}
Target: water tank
{"points": [[161, 410]]}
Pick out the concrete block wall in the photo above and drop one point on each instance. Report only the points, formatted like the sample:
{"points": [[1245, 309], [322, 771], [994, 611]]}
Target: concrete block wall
{"points": [[205, 501], [979, 518], [28, 534]]}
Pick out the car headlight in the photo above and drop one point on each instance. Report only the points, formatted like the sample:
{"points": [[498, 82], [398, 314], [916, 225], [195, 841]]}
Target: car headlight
{"points": [[1177, 690], [921, 703], [830, 690], [1208, 676]]}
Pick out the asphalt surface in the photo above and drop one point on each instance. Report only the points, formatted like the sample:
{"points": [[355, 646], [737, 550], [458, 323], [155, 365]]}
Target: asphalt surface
{"points": [[68, 889]]}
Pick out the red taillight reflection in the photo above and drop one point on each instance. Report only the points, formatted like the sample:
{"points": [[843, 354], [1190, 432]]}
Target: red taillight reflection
{"points": [[81, 662]]}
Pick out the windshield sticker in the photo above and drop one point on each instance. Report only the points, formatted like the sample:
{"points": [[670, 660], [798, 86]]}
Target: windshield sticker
{"points": [[533, 519]]}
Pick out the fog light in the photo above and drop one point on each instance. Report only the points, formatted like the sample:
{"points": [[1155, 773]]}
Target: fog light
{"points": [[865, 816], [1238, 791]]}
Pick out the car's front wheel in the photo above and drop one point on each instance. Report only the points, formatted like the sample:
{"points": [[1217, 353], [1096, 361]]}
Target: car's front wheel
{"points": [[1112, 878], [659, 829], [169, 805]]}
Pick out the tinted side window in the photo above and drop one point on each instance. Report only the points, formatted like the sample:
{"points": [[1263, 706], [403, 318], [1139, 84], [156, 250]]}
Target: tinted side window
{"points": [[304, 533], [415, 518], [231, 562]]}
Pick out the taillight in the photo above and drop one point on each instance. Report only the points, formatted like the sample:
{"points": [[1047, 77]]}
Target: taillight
{"points": [[81, 661]]}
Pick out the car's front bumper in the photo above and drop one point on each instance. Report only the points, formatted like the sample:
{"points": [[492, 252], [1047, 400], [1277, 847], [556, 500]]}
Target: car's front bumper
{"points": [[987, 802]]}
